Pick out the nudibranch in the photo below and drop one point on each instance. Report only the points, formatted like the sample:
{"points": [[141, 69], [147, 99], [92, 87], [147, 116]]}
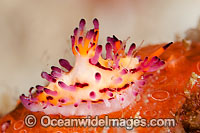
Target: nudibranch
{"points": [[96, 84]]}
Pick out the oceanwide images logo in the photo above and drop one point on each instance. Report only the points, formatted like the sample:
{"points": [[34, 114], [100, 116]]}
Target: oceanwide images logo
{"points": [[130, 123], [96, 121]]}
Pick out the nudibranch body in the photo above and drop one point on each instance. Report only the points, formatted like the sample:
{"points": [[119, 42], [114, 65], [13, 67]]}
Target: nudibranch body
{"points": [[95, 85]]}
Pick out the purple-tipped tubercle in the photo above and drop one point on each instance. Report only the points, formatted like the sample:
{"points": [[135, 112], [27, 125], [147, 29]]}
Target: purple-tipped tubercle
{"points": [[94, 60], [50, 92], [124, 71], [56, 74], [92, 94], [90, 34], [76, 31], [66, 87], [130, 51], [110, 94], [97, 76], [63, 100], [82, 24], [39, 87], [96, 23], [48, 77], [110, 40], [31, 89], [54, 68], [64, 63], [76, 105], [39, 91], [108, 51], [80, 40], [73, 40], [49, 98]]}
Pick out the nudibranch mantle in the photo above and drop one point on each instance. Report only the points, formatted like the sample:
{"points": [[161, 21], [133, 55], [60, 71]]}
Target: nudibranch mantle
{"points": [[95, 85]]}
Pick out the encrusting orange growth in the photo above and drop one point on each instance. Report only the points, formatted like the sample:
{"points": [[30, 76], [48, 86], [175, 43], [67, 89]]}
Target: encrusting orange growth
{"points": [[121, 85]]}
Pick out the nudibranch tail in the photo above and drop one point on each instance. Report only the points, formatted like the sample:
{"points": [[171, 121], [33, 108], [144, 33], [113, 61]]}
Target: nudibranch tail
{"points": [[95, 85]]}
